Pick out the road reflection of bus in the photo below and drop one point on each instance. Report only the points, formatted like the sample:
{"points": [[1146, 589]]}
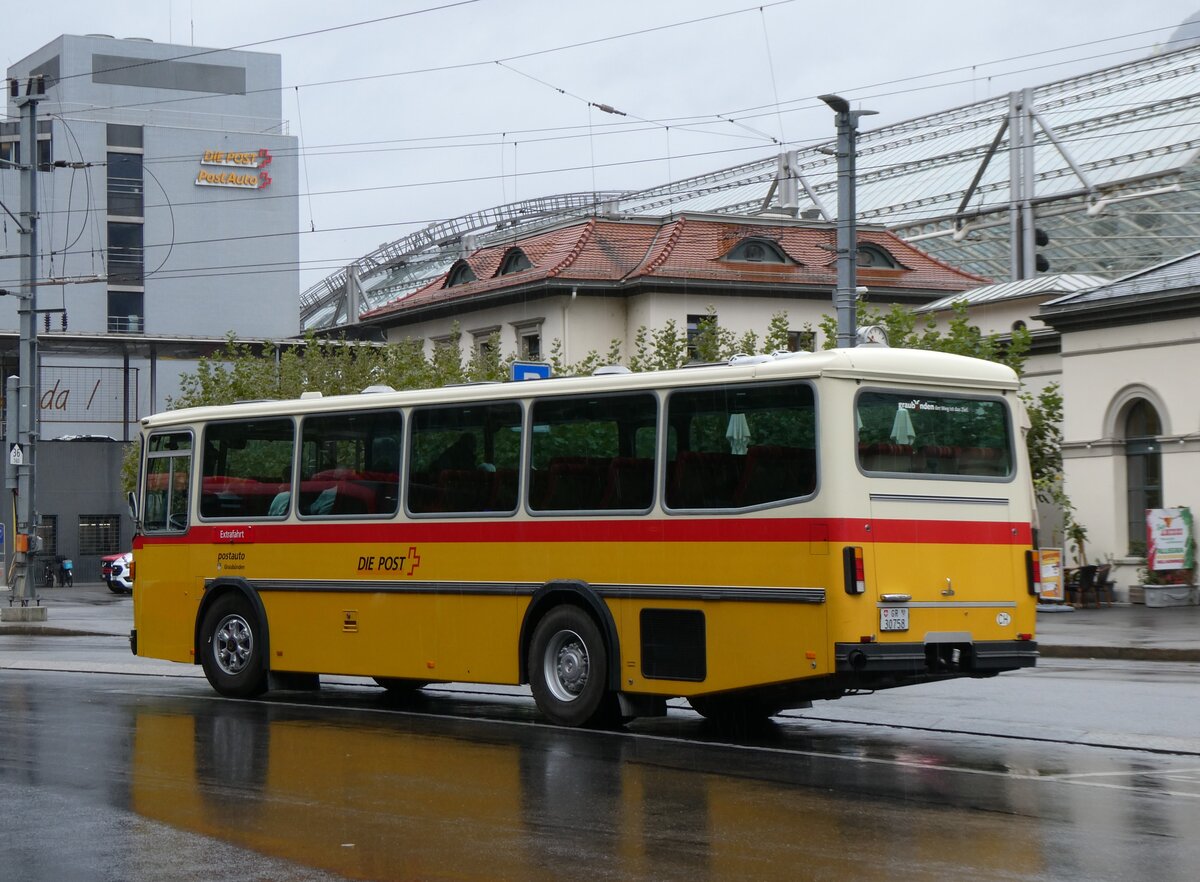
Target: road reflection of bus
{"points": [[421, 798]]}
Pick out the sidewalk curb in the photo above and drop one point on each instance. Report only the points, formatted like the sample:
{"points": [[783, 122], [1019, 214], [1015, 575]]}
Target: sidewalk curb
{"points": [[1123, 653], [51, 631]]}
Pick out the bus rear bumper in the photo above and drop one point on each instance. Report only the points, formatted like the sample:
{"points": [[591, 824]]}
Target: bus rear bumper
{"points": [[934, 659]]}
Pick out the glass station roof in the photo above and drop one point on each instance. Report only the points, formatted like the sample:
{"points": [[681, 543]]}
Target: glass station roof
{"points": [[1114, 186]]}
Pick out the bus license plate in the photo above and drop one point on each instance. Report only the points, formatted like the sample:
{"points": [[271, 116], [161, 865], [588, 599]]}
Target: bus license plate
{"points": [[893, 618]]}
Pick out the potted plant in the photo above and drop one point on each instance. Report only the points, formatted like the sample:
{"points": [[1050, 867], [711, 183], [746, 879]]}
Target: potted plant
{"points": [[1077, 533], [1169, 587]]}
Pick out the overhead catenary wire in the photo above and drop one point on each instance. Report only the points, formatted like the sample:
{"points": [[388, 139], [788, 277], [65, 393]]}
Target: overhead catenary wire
{"points": [[810, 102], [865, 168], [728, 116], [894, 219], [776, 108]]}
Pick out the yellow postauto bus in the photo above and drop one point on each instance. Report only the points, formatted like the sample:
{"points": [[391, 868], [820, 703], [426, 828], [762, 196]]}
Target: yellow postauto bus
{"points": [[750, 536]]}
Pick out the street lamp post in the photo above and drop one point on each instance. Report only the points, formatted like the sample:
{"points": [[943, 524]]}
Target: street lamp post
{"points": [[847, 228]]}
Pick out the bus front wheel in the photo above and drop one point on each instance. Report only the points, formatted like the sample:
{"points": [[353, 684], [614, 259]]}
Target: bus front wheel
{"points": [[232, 651], [568, 668]]}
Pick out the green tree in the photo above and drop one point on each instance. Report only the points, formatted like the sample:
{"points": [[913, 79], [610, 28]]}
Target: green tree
{"points": [[661, 350], [776, 339]]}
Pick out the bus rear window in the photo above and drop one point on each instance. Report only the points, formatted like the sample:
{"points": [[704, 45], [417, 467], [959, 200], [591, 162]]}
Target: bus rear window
{"points": [[925, 434]]}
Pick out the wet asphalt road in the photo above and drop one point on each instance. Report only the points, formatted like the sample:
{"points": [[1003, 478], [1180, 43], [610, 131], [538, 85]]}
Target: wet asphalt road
{"points": [[1075, 771]]}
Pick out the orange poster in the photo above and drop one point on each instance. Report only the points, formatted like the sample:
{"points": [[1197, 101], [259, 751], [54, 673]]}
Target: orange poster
{"points": [[1052, 573]]}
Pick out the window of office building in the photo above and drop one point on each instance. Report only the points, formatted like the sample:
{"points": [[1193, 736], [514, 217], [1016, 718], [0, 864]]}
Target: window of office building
{"points": [[125, 184], [529, 338], [126, 312], [802, 341], [124, 136], [100, 534], [126, 261], [48, 532], [697, 325]]}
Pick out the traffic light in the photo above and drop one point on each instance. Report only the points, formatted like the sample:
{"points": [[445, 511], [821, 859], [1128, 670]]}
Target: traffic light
{"points": [[1041, 240]]}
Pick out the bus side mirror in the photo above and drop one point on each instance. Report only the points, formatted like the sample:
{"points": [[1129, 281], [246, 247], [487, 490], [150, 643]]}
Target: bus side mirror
{"points": [[133, 512]]}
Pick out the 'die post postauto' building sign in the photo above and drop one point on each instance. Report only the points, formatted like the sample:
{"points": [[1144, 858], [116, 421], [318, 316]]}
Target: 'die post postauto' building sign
{"points": [[229, 168]]}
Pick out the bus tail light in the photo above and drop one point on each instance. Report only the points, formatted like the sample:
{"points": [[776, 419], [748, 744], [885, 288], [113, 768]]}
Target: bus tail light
{"points": [[1033, 572], [852, 568]]}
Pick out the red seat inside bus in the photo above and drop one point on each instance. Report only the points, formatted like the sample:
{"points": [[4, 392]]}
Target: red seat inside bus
{"points": [[772, 472], [225, 497], [571, 483], [700, 479], [629, 483], [884, 456]]}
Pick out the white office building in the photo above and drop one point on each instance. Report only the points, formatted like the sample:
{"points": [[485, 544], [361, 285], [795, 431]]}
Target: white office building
{"points": [[172, 224]]}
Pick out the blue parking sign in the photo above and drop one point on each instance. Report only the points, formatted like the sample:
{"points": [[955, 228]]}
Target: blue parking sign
{"points": [[530, 370]]}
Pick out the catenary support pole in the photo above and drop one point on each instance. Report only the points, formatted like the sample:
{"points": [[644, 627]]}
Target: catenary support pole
{"points": [[847, 228], [22, 451]]}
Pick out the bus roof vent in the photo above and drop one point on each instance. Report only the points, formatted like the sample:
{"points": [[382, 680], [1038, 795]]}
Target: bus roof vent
{"points": [[749, 359], [378, 387], [780, 354], [304, 396], [607, 370]]}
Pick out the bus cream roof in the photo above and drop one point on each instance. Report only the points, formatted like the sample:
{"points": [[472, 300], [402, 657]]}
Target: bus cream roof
{"points": [[874, 364]]}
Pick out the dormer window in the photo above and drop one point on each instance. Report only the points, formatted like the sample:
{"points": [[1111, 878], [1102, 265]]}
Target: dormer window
{"points": [[757, 251], [874, 257], [460, 274], [514, 261]]}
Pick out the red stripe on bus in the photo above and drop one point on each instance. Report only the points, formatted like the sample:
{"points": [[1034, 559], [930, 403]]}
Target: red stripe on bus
{"points": [[841, 530]]}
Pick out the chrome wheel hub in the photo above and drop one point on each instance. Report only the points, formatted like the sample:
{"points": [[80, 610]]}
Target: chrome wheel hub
{"points": [[233, 643]]}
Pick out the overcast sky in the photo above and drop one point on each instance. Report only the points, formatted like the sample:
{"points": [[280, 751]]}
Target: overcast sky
{"points": [[705, 84]]}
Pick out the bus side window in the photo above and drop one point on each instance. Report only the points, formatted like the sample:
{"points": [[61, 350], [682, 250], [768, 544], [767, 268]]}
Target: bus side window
{"points": [[243, 461], [349, 464], [583, 453], [464, 459], [740, 446]]}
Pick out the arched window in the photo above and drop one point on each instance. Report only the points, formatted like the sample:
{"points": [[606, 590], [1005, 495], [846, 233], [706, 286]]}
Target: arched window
{"points": [[874, 257], [1143, 467], [757, 251], [514, 261], [460, 274]]}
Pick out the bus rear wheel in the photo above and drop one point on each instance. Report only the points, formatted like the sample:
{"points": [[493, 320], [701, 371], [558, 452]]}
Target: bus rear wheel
{"points": [[232, 652], [568, 669]]}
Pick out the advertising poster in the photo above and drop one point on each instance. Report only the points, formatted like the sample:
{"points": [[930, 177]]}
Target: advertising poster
{"points": [[1052, 573], [1169, 539]]}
